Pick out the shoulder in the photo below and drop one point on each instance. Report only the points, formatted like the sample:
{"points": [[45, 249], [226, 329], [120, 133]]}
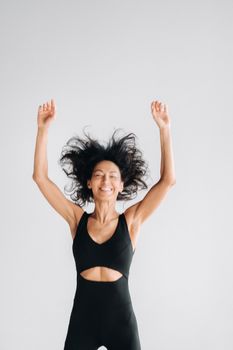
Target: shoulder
{"points": [[78, 213], [133, 224], [130, 216]]}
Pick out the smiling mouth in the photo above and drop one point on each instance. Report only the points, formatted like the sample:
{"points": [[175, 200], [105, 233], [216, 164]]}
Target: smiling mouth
{"points": [[105, 190]]}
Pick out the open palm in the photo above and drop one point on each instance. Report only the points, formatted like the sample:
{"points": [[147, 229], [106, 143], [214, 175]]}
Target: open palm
{"points": [[160, 114], [46, 113]]}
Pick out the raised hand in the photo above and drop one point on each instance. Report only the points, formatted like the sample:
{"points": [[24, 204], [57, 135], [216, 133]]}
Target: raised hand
{"points": [[46, 114], [160, 114]]}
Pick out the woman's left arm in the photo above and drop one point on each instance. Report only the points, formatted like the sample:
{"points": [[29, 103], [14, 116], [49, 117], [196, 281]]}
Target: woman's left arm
{"points": [[160, 115], [157, 193], [167, 168]]}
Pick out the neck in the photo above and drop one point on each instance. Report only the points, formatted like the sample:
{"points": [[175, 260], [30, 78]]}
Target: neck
{"points": [[104, 213]]}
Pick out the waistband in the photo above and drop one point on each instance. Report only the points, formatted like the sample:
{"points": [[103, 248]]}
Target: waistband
{"points": [[103, 292]]}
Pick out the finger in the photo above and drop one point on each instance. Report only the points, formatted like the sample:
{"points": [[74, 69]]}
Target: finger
{"points": [[53, 104]]}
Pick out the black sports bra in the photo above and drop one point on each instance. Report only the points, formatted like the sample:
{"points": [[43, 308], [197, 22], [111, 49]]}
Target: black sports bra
{"points": [[116, 253]]}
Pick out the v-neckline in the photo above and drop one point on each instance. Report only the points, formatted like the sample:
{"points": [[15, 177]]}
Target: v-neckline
{"points": [[109, 239]]}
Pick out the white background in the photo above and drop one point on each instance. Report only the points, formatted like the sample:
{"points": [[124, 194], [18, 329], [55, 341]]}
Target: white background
{"points": [[104, 62]]}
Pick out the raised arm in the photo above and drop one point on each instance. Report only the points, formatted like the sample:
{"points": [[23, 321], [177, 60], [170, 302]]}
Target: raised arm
{"points": [[67, 209], [143, 209]]}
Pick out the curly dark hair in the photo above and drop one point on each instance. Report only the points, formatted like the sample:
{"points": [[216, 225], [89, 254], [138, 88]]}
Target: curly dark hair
{"points": [[82, 155]]}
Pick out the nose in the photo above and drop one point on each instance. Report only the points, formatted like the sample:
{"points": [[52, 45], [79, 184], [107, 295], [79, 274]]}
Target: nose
{"points": [[105, 178], [106, 181]]}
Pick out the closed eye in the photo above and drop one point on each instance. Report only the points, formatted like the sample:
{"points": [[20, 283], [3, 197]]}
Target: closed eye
{"points": [[110, 176]]}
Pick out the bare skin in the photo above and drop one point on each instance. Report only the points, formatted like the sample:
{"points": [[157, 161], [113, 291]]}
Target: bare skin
{"points": [[102, 223]]}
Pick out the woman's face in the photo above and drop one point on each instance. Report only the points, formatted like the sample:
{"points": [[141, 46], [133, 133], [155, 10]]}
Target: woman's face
{"points": [[106, 180]]}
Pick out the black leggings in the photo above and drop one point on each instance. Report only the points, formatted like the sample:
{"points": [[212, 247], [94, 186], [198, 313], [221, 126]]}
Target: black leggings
{"points": [[102, 314]]}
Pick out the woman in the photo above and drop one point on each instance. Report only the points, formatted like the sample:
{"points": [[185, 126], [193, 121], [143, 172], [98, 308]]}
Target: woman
{"points": [[103, 241]]}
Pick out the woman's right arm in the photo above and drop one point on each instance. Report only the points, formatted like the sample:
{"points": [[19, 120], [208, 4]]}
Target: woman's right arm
{"points": [[67, 209]]}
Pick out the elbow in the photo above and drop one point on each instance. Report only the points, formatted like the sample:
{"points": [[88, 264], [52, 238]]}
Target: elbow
{"points": [[169, 182], [35, 178], [173, 182], [39, 178]]}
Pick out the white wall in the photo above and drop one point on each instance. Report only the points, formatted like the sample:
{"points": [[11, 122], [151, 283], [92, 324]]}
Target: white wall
{"points": [[104, 62]]}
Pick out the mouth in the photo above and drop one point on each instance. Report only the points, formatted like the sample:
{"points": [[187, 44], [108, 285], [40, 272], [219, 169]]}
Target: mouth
{"points": [[107, 190]]}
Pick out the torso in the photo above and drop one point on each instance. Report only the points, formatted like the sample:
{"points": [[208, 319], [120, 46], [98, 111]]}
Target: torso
{"points": [[101, 234]]}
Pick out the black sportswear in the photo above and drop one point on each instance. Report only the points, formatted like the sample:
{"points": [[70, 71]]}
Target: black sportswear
{"points": [[102, 312]]}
